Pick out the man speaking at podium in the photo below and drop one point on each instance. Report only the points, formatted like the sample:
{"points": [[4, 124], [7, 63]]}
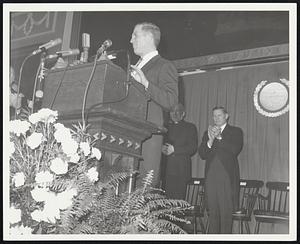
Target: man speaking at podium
{"points": [[160, 80]]}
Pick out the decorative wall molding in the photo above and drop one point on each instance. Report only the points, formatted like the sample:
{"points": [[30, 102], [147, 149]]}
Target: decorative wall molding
{"points": [[29, 24], [33, 28], [216, 61]]}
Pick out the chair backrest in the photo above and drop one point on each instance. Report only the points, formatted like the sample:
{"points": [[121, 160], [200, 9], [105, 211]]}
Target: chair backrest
{"points": [[248, 194], [195, 192], [278, 197]]}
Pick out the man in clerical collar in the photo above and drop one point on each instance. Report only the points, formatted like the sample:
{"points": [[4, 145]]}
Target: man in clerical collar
{"points": [[181, 144]]}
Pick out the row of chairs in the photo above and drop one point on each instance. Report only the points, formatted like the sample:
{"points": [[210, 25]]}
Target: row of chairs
{"points": [[272, 208]]}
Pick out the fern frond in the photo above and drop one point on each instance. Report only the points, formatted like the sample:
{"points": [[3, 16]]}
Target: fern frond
{"points": [[168, 225], [147, 181]]}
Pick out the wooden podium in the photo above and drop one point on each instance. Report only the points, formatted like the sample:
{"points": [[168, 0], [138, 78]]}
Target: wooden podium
{"points": [[120, 126]]}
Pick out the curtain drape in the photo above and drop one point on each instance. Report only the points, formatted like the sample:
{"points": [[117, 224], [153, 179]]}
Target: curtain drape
{"points": [[265, 155]]}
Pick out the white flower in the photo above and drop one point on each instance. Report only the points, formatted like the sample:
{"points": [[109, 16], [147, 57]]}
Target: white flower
{"points": [[37, 215], [74, 158], [85, 147], [34, 118], [64, 199], [14, 215], [58, 166], [69, 147], [11, 148], [50, 212], [62, 133], [19, 127], [44, 115], [44, 177], [92, 174], [96, 153], [20, 230], [40, 194], [34, 140], [19, 179]]}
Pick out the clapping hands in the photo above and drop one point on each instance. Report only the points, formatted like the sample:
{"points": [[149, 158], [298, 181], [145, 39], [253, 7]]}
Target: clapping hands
{"points": [[213, 132]]}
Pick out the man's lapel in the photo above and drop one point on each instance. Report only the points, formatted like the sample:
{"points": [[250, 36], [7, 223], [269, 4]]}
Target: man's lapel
{"points": [[150, 63]]}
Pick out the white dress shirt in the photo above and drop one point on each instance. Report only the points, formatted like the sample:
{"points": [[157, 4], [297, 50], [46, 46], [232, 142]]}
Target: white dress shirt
{"points": [[146, 58], [143, 61]]}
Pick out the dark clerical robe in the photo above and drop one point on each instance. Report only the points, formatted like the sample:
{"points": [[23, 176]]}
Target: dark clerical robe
{"points": [[183, 136]]}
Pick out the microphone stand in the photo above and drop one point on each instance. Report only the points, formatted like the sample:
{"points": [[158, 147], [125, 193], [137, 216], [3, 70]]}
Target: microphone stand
{"points": [[40, 77]]}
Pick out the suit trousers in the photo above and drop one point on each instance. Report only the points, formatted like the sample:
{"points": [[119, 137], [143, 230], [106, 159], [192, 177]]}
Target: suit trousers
{"points": [[219, 198], [151, 153]]}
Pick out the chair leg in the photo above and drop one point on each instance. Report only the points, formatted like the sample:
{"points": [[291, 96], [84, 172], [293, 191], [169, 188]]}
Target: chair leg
{"points": [[240, 226], [195, 225], [207, 226], [202, 226], [247, 227], [256, 231]]}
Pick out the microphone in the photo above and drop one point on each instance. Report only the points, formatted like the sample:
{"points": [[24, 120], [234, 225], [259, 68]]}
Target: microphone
{"points": [[63, 54], [106, 44], [46, 46]]}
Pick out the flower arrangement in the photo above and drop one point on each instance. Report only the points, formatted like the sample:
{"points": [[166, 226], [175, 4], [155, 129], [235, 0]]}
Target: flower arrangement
{"points": [[55, 186], [50, 167]]}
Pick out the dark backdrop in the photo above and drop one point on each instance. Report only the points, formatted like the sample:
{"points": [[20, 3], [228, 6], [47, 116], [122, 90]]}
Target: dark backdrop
{"points": [[190, 34]]}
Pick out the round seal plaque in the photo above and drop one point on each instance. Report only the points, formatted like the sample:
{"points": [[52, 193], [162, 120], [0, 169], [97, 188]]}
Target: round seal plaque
{"points": [[271, 98]]}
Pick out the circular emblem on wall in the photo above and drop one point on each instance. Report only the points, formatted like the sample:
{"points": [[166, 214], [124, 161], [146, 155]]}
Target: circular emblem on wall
{"points": [[271, 98]]}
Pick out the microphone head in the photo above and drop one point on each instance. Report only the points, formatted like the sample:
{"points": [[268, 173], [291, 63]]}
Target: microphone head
{"points": [[56, 42]]}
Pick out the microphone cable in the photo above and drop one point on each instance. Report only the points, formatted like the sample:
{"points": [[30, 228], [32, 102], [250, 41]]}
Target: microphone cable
{"points": [[127, 88], [86, 91], [59, 85], [19, 80], [34, 87]]}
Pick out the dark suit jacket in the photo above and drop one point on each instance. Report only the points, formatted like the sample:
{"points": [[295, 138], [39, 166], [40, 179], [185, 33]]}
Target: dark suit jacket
{"points": [[227, 151], [162, 94], [163, 87]]}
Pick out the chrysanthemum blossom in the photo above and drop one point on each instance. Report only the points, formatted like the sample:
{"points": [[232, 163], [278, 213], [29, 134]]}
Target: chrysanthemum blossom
{"points": [[41, 194], [20, 230], [69, 146], [85, 147], [62, 133], [96, 153], [19, 179], [34, 140], [44, 115], [44, 177], [58, 166], [11, 148], [74, 158], [19, 127], [92, 174], [14, 215], [65, 198], [37, 215], [51, 212]]}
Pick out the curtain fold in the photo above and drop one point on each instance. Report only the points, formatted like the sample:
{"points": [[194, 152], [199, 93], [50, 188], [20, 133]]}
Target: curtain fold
{"points": [[265, 155]]}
